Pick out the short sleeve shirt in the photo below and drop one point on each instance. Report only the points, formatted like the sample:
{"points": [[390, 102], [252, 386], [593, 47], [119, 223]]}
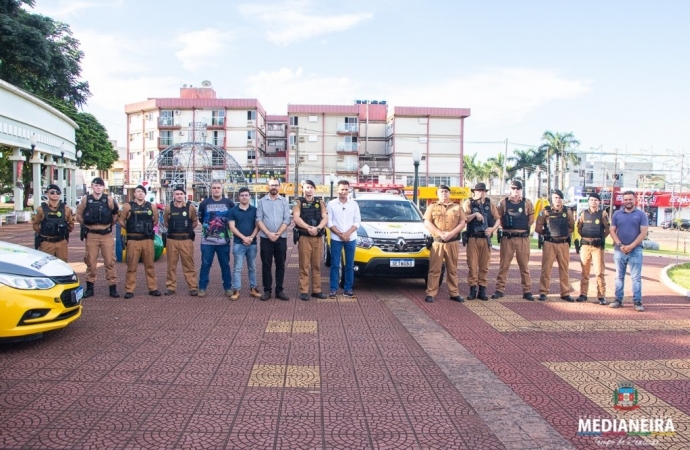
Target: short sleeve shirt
{"points": [[445, 217]]}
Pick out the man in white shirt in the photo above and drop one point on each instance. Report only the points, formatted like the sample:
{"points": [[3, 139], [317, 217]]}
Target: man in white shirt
{"points": [[343, 220]]}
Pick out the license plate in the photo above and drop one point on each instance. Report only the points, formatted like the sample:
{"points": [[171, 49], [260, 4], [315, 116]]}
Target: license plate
{"points": [[78, 294], [402, 262]]}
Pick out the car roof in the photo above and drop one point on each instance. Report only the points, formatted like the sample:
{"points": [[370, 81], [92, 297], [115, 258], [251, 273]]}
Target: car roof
{"points": [[373, 196]]}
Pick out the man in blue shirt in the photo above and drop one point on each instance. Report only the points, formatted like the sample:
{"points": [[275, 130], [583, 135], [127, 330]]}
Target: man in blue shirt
{"points": [[244, 230], [215, 237], [628, 229]]}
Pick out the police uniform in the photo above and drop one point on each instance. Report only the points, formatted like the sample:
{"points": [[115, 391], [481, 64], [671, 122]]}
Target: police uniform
{"points": [[53, 223], [445, 217], [557, 227], [593, 228], [97, 216], [180, 222], [516, 221], [139, 221], [312, 214], [478, 246]]}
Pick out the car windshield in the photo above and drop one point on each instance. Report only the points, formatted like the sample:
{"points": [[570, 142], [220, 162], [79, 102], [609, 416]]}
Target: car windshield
{"points": [[388, 211]]}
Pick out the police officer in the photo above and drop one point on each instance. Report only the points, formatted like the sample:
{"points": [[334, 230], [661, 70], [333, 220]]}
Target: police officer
{"points": [[53, 223], [180, 219], [444, 220], [310, 217], [482, 221], [593, 226], [138, 218], [517, 216], [556, 224], [97, 213]]}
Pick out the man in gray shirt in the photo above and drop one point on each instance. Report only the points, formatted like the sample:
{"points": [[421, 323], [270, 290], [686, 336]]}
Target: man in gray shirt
{"points": [[273, 216]]}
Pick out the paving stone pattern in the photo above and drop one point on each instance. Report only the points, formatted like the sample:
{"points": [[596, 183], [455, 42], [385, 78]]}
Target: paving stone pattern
{"points": [[383, 370]]}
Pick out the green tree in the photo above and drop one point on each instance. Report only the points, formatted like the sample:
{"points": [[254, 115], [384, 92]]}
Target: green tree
{"points": [[558, 145], [470, 169]]}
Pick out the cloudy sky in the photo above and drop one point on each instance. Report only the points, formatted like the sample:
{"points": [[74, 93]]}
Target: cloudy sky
{"points": [[614, 73]]}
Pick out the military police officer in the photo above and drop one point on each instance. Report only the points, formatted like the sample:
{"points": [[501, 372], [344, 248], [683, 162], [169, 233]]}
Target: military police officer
{"points": [[517, 216], [593, 226], [482, 221], [556, 224], [180, 219], [97, 213], [444, 220], [53, 222], [310, 217], [138, 218]]}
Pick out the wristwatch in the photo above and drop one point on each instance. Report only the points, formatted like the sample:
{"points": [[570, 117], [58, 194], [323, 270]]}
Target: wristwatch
{"points": [[620, 245]]}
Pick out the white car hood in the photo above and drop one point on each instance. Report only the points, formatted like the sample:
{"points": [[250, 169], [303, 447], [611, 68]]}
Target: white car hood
{"points": [[19, 260], [393, 230]]}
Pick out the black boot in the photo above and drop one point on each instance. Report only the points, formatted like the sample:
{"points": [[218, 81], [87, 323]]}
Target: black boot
{"points": [[482, 293], [113, 291], [89, 290], [473, 293]]}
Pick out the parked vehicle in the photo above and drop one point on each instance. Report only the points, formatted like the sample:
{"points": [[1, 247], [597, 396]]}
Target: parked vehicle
{"points": [[683, 224]]}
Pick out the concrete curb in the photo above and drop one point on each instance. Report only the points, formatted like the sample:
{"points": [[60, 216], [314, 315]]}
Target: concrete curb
{"points": [[666, 280]]}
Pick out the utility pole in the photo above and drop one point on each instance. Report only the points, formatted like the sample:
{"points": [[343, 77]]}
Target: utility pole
{"points": [[296, 130], [613, 186]]}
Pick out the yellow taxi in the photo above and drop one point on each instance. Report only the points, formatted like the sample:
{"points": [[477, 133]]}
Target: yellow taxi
{"points": [[38, 293]]}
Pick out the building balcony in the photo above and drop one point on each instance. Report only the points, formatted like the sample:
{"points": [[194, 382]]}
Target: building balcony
{"points": [[217, 123], [271, 161], [347, 147], [164, 142], [347, 128], [169, 123], [277, 154], [346, 168], [275, 149], [276, 133]]}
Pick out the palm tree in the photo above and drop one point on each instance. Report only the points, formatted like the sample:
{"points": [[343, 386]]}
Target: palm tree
{"points": [[557, 144], [523, 162], [496, 164], [470, 166]]}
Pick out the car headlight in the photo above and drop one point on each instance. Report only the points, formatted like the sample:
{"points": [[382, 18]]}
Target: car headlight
{"points": [[19, 282], [365, 242]]}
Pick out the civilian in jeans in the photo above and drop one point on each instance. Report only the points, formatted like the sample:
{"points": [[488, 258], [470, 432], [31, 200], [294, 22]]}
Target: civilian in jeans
{"points": [[273, 216], [244, 230], [343, 220], [215, 237], [628, 229]]}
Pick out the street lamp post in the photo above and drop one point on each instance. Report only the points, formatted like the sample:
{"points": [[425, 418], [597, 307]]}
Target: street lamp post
{"points": [[365, 172], [416, 158], [331, 178]]}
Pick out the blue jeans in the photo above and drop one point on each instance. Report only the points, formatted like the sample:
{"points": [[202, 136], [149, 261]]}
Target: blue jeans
{"points": [[634, 260], [336, 251], [242, 252], [207, 252]]}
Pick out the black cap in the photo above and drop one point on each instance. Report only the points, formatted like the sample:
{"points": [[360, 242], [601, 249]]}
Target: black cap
{"points": [[179, 187], [310, 183], [558, 192], [595, 195], [479, 187], [99, 181], [54, 187], [140, 187], [516, 184], [443, 187]]}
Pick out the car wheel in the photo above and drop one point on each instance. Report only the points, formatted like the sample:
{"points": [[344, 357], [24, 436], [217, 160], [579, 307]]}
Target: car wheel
{"points": [[326, 254], [440, 280]]}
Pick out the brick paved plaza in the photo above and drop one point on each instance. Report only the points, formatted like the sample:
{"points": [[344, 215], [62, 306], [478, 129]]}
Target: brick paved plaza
{"points": [[384, 370]]}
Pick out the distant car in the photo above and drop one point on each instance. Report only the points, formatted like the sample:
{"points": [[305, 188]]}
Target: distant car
{"points": [[666, 224], [683, 224]]}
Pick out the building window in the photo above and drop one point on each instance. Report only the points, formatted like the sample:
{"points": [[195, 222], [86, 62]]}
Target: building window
{"points": [[166, 118], [251, 115], [292, 139], [350, 120], [218, 118], [251, 134], [149, 134], [131, 156], [251, 155], [151, 154], [218, 138], [166, 138], [294, 121]]}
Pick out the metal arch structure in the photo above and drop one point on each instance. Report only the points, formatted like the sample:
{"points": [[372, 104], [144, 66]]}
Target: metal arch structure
{"points": [[194, 165]]}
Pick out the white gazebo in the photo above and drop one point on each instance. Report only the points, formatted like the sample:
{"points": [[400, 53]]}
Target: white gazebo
{"points": [[30, 125]]}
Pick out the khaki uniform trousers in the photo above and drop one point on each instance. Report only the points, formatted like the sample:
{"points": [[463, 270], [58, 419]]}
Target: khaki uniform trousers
{"points": [[519, 248], [440, 253], [58, 249], [478, 258], [310, 255], [559, 252], [140, 250], [595, 256], [105, 244], [182, 250]]}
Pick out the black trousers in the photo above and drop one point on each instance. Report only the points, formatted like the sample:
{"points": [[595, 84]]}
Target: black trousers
{"points": [[269, 251]]}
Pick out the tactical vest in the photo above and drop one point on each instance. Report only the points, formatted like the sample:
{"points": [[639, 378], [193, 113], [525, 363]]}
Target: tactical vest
{"points": [[97, 212], [475, 226], [515, 217], [180, 220], [140, 220], [592, 225], [558, 223], [54, 223], [310, 212]]}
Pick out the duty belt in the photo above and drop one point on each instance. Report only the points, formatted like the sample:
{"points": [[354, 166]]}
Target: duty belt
{"points": [[104, 231], [478, 235], [138, 238], [182, 237], [590, 241], [52, 239], [456, 238], [515, 235], [558, 240]]}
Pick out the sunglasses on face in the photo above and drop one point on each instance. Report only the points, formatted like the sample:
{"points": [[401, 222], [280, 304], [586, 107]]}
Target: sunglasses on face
{"points": [[516, 189], [53, 192]]}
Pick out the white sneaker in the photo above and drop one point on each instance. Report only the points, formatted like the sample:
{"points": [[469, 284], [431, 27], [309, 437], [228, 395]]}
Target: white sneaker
{"points": [[639, 307]]}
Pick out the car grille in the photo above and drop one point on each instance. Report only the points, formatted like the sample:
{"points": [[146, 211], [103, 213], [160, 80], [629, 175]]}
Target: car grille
{"points": [[391, 245], [66, 279], [66, 298]]}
